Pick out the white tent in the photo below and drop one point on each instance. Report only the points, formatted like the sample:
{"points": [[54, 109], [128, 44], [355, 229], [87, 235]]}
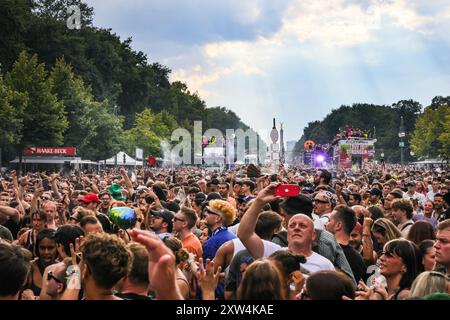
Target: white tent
{"points": [[122, 160]]}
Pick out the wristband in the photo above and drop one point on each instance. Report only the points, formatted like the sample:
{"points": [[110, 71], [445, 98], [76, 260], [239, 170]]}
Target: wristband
{"points": [[73, 277]]}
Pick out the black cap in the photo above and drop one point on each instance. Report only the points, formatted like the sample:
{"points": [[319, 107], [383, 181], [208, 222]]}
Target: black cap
{"points": [[375, 192], [215, 181], [300, 204], [165, 214], [200, 197], [213, 196], [171, 206]]}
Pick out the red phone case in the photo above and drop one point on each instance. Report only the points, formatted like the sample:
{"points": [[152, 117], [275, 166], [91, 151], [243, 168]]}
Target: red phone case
{"points": [[287, 190]]}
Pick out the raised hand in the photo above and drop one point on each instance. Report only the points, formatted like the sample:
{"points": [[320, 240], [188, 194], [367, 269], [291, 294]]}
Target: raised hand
{"points": [[208, 279], [267, 194]]}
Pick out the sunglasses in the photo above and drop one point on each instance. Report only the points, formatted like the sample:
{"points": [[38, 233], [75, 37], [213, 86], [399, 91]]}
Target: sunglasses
{"points": [[178, 219], [210, 212], [320, 201], [51, 276], [46, 198], [388, 254]]}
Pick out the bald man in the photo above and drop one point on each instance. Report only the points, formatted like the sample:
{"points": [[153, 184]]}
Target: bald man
{"points": [[300, 234]]}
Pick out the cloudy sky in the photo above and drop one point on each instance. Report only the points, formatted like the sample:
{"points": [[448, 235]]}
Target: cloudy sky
{"points": [[294, 60]]}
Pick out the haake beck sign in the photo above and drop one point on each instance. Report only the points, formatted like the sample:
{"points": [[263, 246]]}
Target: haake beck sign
{"points": [[69, 151]]}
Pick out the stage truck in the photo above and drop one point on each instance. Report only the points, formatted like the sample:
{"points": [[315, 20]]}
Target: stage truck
{"points": [[353, 152]]}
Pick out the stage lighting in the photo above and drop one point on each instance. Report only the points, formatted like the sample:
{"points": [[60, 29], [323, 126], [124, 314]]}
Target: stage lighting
{"points": [[320, 158]]}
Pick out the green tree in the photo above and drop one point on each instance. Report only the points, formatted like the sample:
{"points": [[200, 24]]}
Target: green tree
{"points": [[149, 131], [109, 135], [15, 17], [43, 117], [430, 138], [77, 100], [12, 105]]}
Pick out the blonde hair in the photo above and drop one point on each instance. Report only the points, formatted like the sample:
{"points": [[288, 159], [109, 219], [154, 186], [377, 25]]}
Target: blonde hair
{"points": [[227, 212], [429, 282], [386, 228]]}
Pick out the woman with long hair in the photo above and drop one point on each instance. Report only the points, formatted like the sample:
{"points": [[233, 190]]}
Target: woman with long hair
{"points": [[262, 280], [46, 255], [383, 231], [399, 265], [420, 231]]}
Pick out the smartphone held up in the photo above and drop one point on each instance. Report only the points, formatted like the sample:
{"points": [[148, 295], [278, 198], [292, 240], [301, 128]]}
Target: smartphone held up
{"points": [[287, 190]]}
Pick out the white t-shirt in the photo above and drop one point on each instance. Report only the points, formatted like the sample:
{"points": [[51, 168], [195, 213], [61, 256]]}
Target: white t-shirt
{"points": [[234, 228], [321, 222], [416, 196], [431, 194], [314, 262]]}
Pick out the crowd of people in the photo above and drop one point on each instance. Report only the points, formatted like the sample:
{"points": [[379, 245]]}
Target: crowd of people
{"points": [[351, 133], [186, 233]]}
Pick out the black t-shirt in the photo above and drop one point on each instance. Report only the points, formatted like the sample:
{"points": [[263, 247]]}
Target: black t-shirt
{"points": [[240, 262], [132, 296], [356, 263]]}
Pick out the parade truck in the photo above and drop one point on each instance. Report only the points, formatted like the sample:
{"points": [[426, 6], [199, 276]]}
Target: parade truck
{"points": [[353, 152]]}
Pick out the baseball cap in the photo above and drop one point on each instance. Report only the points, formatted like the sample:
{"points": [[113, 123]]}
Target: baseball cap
{"points": [[212, 196], [171, 206], [165, 214], [375, 192], [91, 197], [326, 196], [200, 197], [299, 204], [215, 181]]}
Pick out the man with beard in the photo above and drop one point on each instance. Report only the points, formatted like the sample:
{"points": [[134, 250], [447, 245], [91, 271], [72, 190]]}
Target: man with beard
{"points": [[388, 203], [356, 238], [224, 189], [323, 205], [323, 178], [218, 215], [162, 223], [438, 205]]}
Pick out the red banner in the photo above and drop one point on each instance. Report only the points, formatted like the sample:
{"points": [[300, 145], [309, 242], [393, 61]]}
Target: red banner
{"points": [[69, 151]]}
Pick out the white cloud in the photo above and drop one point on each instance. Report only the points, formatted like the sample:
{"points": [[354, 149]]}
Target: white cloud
{"points": [[310, 28]]}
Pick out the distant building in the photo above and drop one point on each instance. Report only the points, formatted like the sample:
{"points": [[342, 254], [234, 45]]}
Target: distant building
{"points": [[289, 149]]}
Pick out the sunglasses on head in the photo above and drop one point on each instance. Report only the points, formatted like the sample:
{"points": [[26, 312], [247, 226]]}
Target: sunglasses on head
{"points": [[51, 276]]}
